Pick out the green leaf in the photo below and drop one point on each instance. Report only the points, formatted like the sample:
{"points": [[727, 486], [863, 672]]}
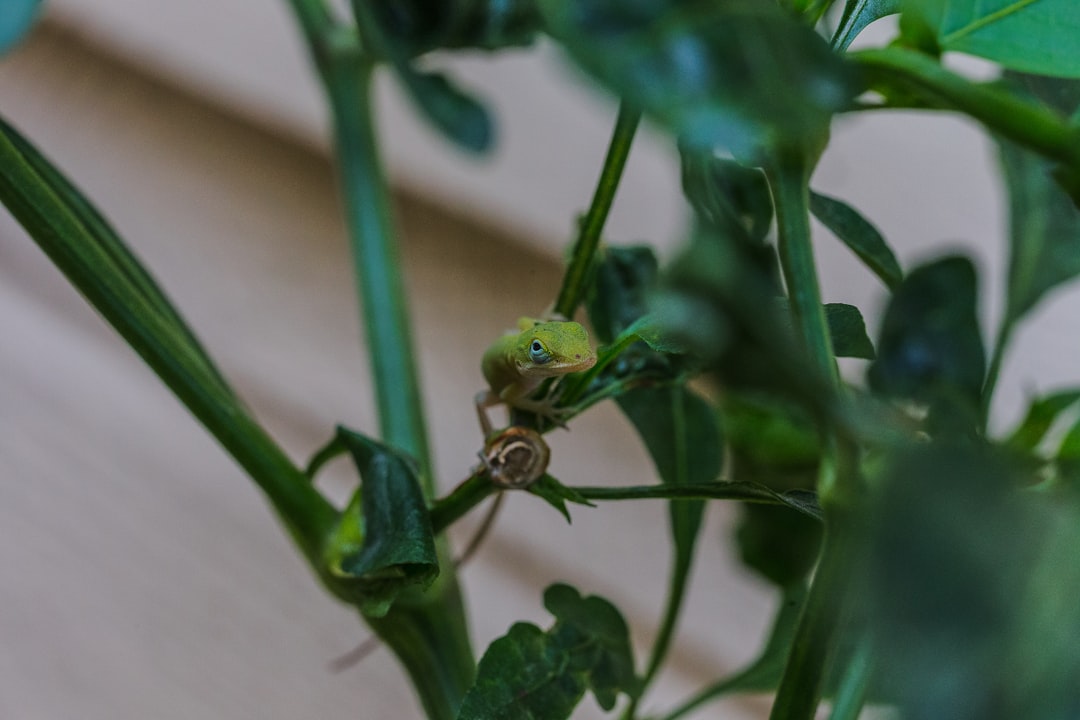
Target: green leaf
{"points": [[1044, 230], [529, 674], [680, 432], [16, 20], [619, 293], [848, 331], [383, 543], [420, 26], [725, 193], [1040, 417], [857, 15], [931, 348], [859, 235], [971, 587], [1037, 36], [460, 117], [743, 75], [556, 494], [79, 242]]}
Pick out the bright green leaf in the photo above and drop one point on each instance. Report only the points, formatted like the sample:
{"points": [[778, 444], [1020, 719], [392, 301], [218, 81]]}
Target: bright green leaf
{"points": [[859, 235], [383, 543], [16, 19], [857, 15], [1037, 36], [529, 674], [743, 75], [931, 348], [556, 494]]}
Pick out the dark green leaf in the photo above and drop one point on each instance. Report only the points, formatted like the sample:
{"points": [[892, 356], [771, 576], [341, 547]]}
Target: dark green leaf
{"points": [[419, 26], [556, 494], [1037, 36], [931, 348], [859, 235], [16, 20], [529, 674], [857, 15], [459, 116], [848, 331], [680, 432], [1044, 228], [1040, 417], [619, 295], [725, 193], [743, 75], [971, 589], [383, 543], [1061, 95]]}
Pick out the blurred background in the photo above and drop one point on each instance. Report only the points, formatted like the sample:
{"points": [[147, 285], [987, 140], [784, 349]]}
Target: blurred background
{"points": [[140, 572]]}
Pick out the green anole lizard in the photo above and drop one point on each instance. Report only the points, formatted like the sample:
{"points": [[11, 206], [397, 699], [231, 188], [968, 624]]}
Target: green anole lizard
{"points": [[518, 363]]}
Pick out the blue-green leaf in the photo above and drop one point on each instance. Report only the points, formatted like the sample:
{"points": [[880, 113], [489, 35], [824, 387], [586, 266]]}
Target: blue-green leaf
{"points": [[530, 674], [744, 75], [383, 543], [16, 19], [1037, 36]]}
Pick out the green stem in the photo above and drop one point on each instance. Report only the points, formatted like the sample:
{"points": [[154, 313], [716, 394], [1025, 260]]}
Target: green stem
{"points": [[461, 500], [996, 360], [592, 226], [376, 260], [800, 688], [1024, 122], [789, 182], [851, 692], [742, 491]]}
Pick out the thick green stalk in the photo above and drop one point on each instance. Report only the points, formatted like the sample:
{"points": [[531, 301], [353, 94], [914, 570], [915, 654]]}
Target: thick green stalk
{"points": [[851, 691], [592, 226], [376, 259], [788, 180], [1024, 122]]}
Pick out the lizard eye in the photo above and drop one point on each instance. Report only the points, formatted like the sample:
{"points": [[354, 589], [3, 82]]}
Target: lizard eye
{"points": [[538, 352]]}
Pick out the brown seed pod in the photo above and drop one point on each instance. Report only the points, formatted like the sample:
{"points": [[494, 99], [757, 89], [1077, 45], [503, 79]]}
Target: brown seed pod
{"points": [[516, 457]]}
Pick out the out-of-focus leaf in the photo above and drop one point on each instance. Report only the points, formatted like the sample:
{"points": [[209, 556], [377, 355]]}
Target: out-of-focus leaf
{"points": [[383, 543], [619, 295], [529, 674], [556, 494], [458, 115], [743, 75], [1044, 228], [725, 193], [847, 329], [1040, 417], [971, 588], [931, 348], [857, 15], [1037, 36], [422, 25], [16, 19], [859, 235]]}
